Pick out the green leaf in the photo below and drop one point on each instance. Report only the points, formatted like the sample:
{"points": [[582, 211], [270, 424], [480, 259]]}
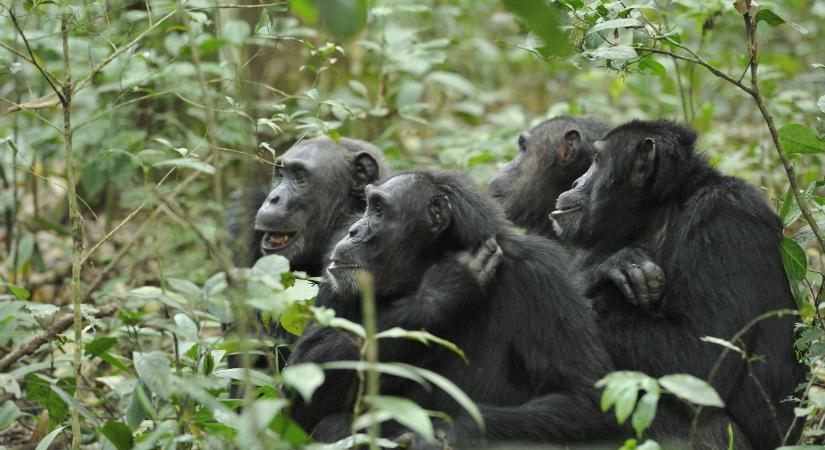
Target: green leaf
{"points": [[769, 16], [135, 413], [625, 402], [821, 103], [256, 377], [47, 440], [9, 413], [118, 434], [406, 412], [653, 66], [19, 292], [692, 389], [645, 413], [613, 24], [295, 318], [99, 345], [304, 378], [188, 163], [304, 9], [39, 389], [423, 337], [796, 138], [544, 20], [272, 265], [153, 369], [794, 259]]}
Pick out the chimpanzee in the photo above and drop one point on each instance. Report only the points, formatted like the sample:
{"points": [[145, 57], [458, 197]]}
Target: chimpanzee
{"points": [[317, 192], [551, 156], [444, 260], [717, 240]]}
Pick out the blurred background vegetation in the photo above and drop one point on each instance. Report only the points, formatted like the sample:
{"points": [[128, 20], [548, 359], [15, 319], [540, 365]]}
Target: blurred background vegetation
{"points": [[176, 111]]}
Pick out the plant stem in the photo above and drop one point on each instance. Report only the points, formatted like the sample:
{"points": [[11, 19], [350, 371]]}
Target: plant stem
{"points": [[77, 226], [365, 284]]}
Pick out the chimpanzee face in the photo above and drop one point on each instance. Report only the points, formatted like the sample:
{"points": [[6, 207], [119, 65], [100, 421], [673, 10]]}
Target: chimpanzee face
{"points": [[404, 217], [550, 157], [310, 191], [614, 184]]}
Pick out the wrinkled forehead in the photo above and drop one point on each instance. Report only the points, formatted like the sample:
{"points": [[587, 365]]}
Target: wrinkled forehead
{"points": [[405, 188], [314, 154]]}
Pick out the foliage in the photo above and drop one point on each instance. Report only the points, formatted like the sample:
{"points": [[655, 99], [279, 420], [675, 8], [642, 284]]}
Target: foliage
{"points": [[177, 107]]}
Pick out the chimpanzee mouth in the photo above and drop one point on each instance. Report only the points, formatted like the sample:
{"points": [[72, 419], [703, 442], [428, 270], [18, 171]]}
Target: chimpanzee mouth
{"points": [[276, 240], [337, 264], [566, 210]]}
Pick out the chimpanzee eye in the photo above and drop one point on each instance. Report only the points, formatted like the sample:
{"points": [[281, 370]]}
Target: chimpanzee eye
{"points": [[377, 206], [300, 176]]}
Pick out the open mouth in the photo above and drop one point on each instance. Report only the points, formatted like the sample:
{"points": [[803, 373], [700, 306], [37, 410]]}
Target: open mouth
{"points": [[566, 210], [276, 240]]}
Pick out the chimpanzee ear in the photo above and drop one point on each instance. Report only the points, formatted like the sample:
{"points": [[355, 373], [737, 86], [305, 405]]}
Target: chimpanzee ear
{"points": [[570, 146], [440, 213], [365, 171], [644, 163]]}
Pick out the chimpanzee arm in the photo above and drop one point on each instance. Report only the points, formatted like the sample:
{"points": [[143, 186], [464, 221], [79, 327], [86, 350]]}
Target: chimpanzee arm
{"points": [[639, 278], [448, 288]]}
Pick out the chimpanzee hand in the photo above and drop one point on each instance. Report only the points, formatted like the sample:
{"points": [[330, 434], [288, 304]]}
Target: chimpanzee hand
{"points": [[641, 281], [414, 441], [482, 262]]}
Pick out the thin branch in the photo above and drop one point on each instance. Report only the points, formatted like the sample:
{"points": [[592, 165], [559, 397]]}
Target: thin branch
{"points": [[16, 52], [59, 325], [753, 51], [36, 64], [701, 62]]}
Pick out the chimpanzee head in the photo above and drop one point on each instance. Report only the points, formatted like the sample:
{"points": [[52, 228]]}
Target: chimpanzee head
{"points": [[551, 155], [411, 221], [316, 186], [638, 163]]}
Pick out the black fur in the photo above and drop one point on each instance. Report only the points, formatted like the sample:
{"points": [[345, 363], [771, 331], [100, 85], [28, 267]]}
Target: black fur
{"points": [[551, 156], [533, 351], [717, 240]]}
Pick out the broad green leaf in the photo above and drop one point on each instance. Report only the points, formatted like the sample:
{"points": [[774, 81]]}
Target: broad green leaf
{"points": [[295, 318], [9, 412], [39, 389], [187, 326], [794, 259], [119, 434], [406, 412], [257, 417], [625, 402], [25, 249], [47, 440], [304, 378], [796, 138], [99, 345], [545, 20], [19, 292], [70, 400], [272, 265], [692, 389], [256, 377], [135, 413], [153, 369], [645, 413], [613, 24], [769, 16]]}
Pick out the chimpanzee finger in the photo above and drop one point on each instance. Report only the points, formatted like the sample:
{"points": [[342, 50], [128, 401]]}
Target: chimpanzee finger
{"points": [[655, 281], [620, 280], [637, 278], [491, 265]]}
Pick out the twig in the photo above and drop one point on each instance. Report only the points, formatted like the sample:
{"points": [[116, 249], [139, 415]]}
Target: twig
{"points": [[59, 325], [34, 62], [211, 121], [713, 69]]}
